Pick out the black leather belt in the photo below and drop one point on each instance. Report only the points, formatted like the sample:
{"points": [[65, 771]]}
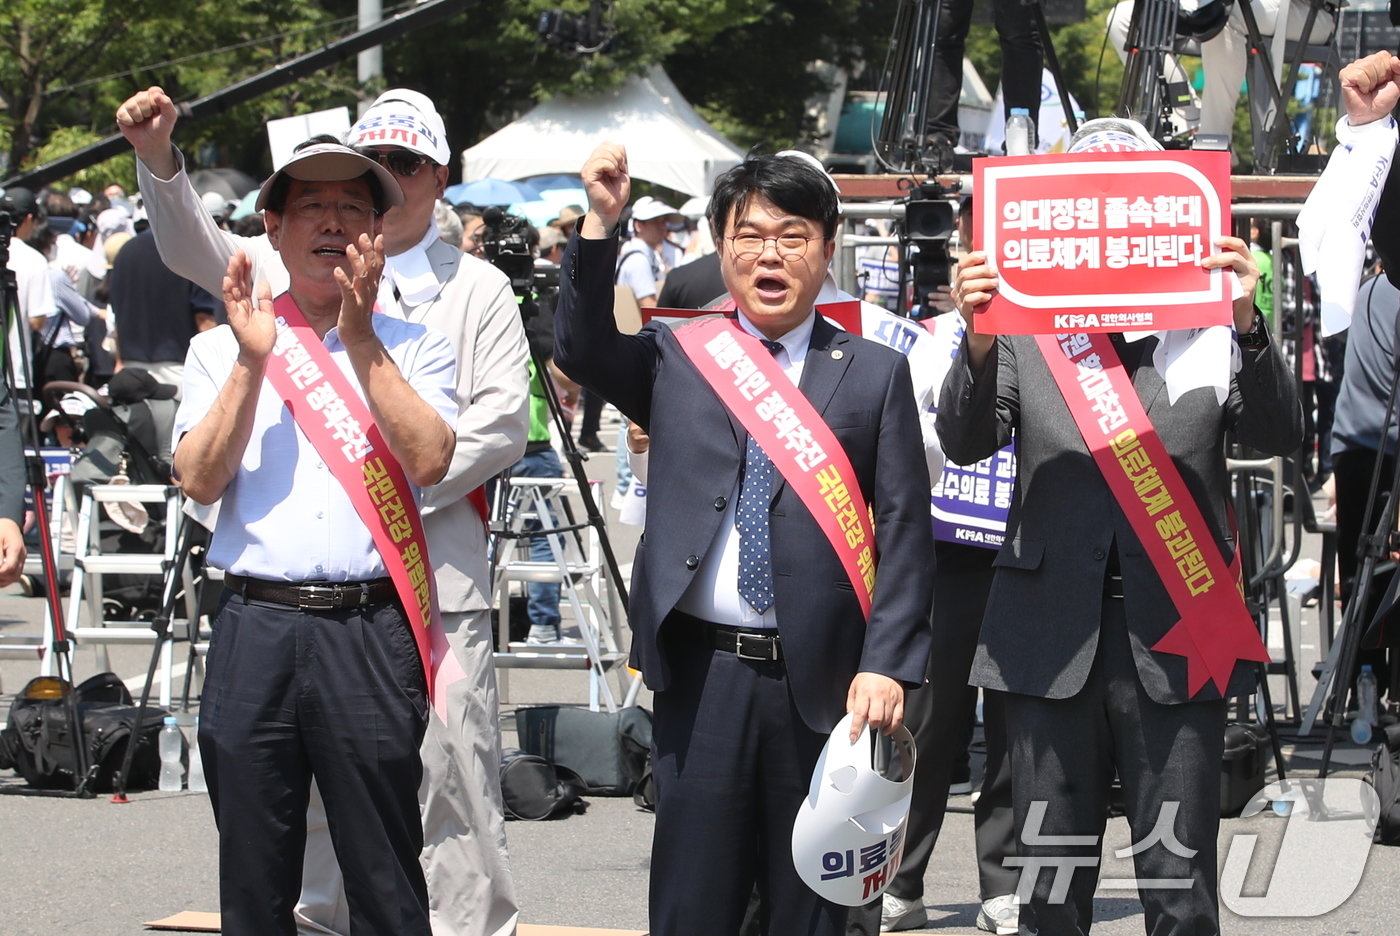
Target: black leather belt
{"points": [[746, 644], [1112, 586], [312, 596]]}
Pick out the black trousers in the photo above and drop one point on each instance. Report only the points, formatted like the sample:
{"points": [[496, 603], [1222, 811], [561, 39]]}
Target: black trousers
{"points": [[592, 414], [938, 714], [732, 760], [338, 695], [1063, 755], [1352, 471], [1021, 58]]}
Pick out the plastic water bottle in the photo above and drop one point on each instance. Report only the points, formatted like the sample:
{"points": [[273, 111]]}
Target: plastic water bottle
{"points": [[1020, 132], [171, 744], [197, 783], [1365, 720]]}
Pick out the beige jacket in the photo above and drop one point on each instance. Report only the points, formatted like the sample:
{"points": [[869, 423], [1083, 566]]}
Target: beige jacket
{"points": [[477, 312]]}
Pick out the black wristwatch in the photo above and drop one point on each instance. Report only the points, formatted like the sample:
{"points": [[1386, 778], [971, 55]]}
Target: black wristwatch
{"points": [[1258, 335]]}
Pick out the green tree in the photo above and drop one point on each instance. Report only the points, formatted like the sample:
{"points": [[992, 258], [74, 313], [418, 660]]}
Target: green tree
{"points": [[745, 64]]}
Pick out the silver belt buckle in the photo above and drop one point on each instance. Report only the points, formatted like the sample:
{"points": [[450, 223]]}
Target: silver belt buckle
{"points": [[768, 646], [317, 597]]}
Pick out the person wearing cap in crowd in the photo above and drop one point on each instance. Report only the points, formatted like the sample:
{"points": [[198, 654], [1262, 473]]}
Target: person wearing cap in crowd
{"points": [[312, 640], [568, 218], [1087, 689], [33, 288], [551, 246], [110, 222], [641, 265], [431, 282], [58, 343], [69, 255], [753, 632], [156, 311], [218, 207]]}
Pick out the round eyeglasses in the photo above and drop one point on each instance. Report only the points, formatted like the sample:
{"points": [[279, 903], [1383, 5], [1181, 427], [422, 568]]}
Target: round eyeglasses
{"points": [[790, 247], [314, 209]]}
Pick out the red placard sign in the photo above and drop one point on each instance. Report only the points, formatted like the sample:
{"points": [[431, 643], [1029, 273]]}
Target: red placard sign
{"points": [[1103, 242]]}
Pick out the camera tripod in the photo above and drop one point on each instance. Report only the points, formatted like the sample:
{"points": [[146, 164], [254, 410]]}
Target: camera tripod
{"points": [[26, 424]]}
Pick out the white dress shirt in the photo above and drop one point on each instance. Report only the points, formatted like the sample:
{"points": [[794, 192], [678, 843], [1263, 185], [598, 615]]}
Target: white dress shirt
{"points": [[34, 290], [284, 516], [713, 594]]}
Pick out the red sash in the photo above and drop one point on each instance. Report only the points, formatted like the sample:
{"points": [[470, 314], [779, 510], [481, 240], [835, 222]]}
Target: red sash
{"points": [[789, 429], [338, 424], [1215, 629]]}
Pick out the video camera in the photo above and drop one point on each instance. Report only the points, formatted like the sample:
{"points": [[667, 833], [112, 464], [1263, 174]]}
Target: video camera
{"points": [[507, 242]]}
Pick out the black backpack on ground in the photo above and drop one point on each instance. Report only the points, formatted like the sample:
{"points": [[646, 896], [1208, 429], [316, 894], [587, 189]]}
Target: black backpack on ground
{"points": [[533, 788], [37, 740], [609, 750], [1385, 777]]}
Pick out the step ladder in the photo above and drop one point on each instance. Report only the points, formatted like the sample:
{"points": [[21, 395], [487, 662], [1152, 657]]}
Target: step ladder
{"points": [[576, 564], [87, 621]]}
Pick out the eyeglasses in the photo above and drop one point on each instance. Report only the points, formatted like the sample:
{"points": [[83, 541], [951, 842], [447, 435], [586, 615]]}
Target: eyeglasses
{"points": [[790, 247], [313, 209], [400, 162]]}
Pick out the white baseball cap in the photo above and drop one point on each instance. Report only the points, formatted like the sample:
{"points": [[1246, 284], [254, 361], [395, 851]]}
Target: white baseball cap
{"points": [[402, 117], [649, 209], [1112, 135], [332, 162]]}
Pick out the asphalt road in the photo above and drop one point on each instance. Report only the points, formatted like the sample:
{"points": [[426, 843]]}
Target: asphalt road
{"points": [[94, 868]]}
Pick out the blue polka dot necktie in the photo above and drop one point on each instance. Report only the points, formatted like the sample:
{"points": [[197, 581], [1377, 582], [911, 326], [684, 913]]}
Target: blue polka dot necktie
{"points": [[751, 520]]}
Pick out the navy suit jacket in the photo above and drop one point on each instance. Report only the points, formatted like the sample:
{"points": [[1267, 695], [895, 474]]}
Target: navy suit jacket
{"points": [[863, 391]]}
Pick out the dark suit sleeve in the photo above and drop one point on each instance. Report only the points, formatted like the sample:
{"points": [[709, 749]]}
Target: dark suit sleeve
{"points": [[977, 413], [1263, 404], [897, 636], [587, 345], [11, 463], [1385, 232]]}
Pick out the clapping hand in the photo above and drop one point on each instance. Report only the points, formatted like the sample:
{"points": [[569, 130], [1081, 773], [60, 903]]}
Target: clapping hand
{"points": [[359, 289], [250, 316]]}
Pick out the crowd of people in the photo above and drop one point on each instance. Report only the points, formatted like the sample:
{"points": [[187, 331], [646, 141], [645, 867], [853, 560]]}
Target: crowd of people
{"points": [[352, 373]]}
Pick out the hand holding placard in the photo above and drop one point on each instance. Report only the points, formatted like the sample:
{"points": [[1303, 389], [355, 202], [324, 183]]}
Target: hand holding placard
{"points": [[974, 282]]}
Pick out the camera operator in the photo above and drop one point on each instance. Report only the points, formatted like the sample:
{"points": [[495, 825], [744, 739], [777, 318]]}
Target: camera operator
{"points": [[34, 290], [510, 243]]}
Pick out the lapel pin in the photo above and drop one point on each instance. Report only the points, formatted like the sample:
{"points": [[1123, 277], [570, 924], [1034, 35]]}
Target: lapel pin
{"points": [[838, 354]]}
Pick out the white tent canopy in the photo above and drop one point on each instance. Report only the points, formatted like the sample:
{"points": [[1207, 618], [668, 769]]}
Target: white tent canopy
{"points": [[667, 142]]}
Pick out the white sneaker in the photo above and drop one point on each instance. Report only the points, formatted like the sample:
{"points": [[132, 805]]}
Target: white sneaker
{"points": [[896, 913], [1000, 915]]}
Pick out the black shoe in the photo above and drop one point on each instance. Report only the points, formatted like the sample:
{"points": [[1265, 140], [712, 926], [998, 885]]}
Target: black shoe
{"points": [[591, 443]]}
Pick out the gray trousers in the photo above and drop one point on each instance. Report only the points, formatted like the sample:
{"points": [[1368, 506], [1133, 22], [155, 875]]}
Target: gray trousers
{"points": [[1063, 756]]}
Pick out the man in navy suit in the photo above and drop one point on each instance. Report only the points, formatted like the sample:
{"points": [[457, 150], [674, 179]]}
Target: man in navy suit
{"points": [[748, 686]]}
